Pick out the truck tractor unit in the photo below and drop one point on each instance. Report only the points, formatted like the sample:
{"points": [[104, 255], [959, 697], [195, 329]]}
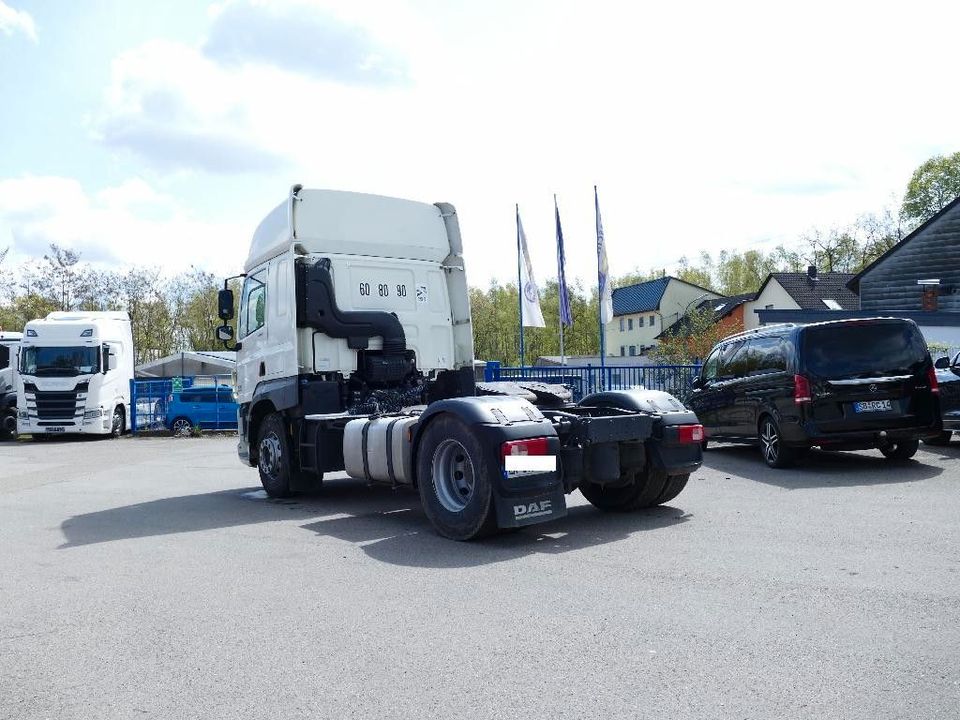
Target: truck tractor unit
{"points": [[9, 342], [74, 374], [355, 352]]}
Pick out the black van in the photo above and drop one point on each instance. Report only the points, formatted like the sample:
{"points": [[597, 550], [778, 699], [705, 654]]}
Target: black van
{"points": [[842, 385]]}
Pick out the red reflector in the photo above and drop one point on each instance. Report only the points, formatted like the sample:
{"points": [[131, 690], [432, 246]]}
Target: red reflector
{"points": [[531, 446], [934, 383], [690, 434], [801, 389]]}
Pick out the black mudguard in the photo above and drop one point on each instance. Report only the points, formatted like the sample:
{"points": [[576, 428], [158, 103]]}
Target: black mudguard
{"points": [[520, 499], [663, 448]]}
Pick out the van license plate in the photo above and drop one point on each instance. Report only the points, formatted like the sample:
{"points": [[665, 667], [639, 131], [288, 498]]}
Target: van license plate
{"points": [[54, 429], [871, 406]]}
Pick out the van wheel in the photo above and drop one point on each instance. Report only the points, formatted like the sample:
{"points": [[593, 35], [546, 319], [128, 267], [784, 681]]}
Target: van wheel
{"points": [[650, 487], [903, 450], [181, 427], [454, 481], [273, 460], [941, 439], [775, 454], [116, 425]]}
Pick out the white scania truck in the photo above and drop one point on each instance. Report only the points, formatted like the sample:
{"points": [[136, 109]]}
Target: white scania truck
{"points": [[355, 352], [9, 342], [74, 374]]}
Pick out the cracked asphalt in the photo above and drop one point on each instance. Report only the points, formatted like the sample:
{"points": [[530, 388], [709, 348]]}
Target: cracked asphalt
{"points": [[151, 577]]}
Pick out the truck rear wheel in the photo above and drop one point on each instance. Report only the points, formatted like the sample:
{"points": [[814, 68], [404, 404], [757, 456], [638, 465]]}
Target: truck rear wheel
{"points": [[650, 487], [273, 456], [454, 480]]}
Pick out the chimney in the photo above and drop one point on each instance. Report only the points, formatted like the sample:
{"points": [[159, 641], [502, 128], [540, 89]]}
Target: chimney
{"points": [[812, 273]]}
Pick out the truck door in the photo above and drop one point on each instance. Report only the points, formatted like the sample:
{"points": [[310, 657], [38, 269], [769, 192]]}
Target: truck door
{"points": [[252, 332]]}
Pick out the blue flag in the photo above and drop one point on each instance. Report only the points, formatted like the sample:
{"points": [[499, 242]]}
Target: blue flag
{"points": [[566, 317]]}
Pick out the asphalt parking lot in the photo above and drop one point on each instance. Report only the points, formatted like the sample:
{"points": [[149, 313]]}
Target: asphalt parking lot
{"points": [[151, 577]]}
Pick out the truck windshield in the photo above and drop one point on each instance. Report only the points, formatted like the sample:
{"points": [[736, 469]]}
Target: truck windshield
{"points": [[862, 350], [60, 361]]}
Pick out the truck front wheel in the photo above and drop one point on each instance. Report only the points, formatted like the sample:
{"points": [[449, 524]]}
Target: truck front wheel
{"points": [[454, 480], [274, 456], [650, 487]]}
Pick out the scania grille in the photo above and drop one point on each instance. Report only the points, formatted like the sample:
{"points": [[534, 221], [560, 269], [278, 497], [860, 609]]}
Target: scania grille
{"points": [[56, 404]]}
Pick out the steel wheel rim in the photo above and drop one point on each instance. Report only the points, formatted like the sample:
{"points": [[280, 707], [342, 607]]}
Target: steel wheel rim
{"points": [[770, 442], [181, 427], [454, 478], [270, 454]]}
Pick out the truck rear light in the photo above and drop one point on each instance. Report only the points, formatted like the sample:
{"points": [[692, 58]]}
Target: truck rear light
{"points": [[690, 434], [531, 446], [801, 390], [934, 383]]}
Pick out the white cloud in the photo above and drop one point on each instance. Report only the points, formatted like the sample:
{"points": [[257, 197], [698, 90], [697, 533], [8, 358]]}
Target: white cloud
{"points": [[12, 21], [301, 37], [128, 224]]}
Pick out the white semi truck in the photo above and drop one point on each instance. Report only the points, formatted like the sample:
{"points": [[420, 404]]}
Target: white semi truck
{"points": [[74, 374], [9, 342], [355, 352]]}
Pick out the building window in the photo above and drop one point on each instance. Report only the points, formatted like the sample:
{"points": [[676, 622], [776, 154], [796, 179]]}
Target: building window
{"points": [[652, 320], [621, 328], [633, 350], [630, 324], [623, 350]]}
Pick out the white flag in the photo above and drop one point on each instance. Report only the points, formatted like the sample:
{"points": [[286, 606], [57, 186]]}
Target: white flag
{"points": [[603, 274], [532, 315]]}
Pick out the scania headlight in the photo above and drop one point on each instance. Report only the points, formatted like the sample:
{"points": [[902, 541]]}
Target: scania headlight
{"points": [[93, 413]]}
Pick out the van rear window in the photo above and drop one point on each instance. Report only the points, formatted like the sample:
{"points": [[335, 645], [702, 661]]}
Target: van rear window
{"points": [[863, 350]]}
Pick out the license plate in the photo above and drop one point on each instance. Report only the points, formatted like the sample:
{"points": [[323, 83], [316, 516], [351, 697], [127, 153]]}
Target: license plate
{"points": [[872, 406], [54, 429]]}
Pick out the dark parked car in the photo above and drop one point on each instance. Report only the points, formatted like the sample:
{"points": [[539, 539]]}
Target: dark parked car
{"points": [[948, 377], [210, 408], [842, 385]]}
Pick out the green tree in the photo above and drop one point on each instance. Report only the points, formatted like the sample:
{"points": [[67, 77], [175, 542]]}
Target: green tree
{"points": [[932, 186]]}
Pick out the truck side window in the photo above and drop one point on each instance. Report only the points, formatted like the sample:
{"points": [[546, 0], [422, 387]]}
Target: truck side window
{"points": [[253, 305]]}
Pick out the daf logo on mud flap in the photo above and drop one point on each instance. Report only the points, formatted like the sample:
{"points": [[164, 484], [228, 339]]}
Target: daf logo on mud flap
{"points": [[531, 510]]}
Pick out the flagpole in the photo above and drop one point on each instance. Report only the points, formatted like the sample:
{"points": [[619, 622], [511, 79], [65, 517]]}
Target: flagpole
{"points": [[520, 288], [560, 280], [603, 349]]}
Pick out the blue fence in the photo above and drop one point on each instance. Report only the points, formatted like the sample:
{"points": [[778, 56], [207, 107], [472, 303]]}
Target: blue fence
{"points": [[674, 379], [156, 405]]}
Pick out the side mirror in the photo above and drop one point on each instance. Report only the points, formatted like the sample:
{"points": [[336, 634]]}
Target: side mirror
{"points": [[942, 363], [105, 358], [225, 305], [697, 383]]}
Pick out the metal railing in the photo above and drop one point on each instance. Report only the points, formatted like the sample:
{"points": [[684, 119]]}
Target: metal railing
{"points": [[156, 403], [674, 379]]}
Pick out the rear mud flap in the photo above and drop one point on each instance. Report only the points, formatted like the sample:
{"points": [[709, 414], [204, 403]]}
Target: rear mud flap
{"points": [[529, 510]]}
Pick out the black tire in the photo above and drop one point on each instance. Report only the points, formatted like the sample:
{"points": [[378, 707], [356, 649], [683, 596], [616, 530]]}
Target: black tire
{"points": [[902, 450], [455, 481], [181, 426], [941, 439], [8, 426], [273, 461], [775, 453], [650, 487], [117, 422]]}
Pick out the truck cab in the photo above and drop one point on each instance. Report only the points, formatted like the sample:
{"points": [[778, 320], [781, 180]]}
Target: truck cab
{"points": [[74, 374], [9, 344]]}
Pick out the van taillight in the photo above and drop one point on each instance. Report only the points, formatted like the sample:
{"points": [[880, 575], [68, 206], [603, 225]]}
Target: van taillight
{"points": [[532, 446], [801, 390], [934, 383], [690, 434]]}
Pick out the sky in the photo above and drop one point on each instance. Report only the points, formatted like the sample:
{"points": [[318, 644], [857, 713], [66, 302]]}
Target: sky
{"points": [[161, 133]]}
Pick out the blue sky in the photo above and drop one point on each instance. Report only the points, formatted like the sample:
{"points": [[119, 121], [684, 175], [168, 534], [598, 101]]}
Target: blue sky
{"points": [[161, 133]]}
